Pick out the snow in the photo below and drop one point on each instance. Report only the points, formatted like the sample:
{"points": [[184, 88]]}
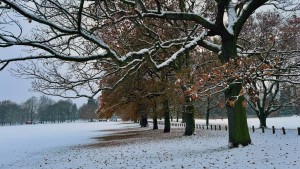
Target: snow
{"points": [[232, 18], [71, 145], [292, 122], [20, 142], [181, 50]]}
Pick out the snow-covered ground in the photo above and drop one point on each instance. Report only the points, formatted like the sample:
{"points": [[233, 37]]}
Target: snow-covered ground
{"points": [[20, 146], [72, 145]]}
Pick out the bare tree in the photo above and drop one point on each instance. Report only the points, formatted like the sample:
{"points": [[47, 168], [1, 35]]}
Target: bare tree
{"points": [[30, 107], [276, 32]]}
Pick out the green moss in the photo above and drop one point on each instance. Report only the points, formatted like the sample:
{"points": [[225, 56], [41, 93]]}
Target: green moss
{"points": [[237, 118]]}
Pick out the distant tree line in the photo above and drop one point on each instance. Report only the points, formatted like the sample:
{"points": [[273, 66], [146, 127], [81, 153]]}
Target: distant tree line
{"points": [[45, 110]]}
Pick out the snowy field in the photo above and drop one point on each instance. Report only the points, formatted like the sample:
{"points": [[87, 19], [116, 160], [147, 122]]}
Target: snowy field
{"points": [[74, 145], [22, 146]]}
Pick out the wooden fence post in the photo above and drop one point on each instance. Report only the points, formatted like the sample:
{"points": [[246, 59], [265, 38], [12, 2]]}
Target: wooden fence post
{"points": [[263, 129], [225, 128], [219, 127], [298, 131], [253, 129], [215, 127], [283, 130], [211, 127], [273, 129]]}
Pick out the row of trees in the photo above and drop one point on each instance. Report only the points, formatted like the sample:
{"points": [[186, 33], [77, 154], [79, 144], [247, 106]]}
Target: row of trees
{"points": [[206, 47], [45, 110], [269, 88]]}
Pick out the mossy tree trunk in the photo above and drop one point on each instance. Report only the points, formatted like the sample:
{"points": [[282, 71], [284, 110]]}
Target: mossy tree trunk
{"points": [[189, 110], [189, 117], [237, 117]]}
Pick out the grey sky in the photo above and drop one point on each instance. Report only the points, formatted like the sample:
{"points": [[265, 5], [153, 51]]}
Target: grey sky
{"points": [[13, 88], [16, 89]]}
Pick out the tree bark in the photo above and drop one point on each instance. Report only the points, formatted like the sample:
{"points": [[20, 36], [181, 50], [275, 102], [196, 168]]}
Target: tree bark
{"points": [[144, 121], [263, 121], [189, 117], [207, 118], [166, 116], [143, 115], [237, 118], [208, 110], [155, 125]]}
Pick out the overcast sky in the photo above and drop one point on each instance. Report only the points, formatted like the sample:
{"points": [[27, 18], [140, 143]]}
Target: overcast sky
{"points": [[13, 88], [16, 89]]}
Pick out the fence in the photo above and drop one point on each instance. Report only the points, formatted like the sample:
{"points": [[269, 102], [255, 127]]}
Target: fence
{"points": [[219, 127]]}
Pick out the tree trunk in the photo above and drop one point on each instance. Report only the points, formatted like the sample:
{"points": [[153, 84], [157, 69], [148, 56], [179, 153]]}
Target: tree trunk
{"points": [[263, 121], [207, 110], [144, 121], [155, 126], [237, 118], [207, 118], [189, 117], [166, 116]]}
